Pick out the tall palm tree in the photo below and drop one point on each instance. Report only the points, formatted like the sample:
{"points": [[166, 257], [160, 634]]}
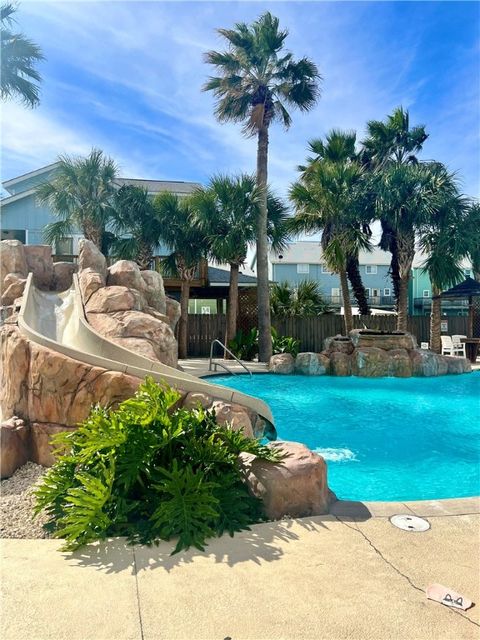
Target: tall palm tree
{"points": [[408, 197], [226, 211], [257, 82], [339, 146], [325, 198], [187, 247], [442, 239], [80, 194], [392, 142], [19, 78], [134, 217]]}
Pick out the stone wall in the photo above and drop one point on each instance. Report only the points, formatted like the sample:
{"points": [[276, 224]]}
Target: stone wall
{"points": [[370, 355]]}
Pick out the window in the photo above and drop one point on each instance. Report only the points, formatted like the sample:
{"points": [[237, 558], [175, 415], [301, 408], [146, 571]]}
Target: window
{"points": [[387, 292], [14, 234], [375, 293], [367, 292], [64, 247], [303, 268], [325, 269], [370, 269], [335, 292], [426, 293]]}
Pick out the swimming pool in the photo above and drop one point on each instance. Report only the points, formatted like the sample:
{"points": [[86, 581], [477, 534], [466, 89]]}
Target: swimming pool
{"points": [[383, 438]]}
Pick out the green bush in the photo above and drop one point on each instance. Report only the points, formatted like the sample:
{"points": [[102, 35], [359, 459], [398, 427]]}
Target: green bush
{"points": [[149, 470], [284, 344], [245, 345]]}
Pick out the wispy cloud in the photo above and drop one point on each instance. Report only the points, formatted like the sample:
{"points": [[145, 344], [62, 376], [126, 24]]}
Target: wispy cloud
{"points": [[127, 76]]}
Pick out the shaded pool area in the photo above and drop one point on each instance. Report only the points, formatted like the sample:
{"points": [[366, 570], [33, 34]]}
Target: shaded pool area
{"points": [[383, 438]]}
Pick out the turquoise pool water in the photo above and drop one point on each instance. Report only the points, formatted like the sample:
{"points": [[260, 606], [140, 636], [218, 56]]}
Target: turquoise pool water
{"points": [[383, 438]]}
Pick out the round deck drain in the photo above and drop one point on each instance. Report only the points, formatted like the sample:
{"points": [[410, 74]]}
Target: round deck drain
{"points": [[410, 523]]}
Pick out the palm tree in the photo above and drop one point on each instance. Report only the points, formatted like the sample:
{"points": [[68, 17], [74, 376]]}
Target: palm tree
{"points": [[442, 239], [19, 77], [226, 211], [326, 200], [135, 216], [257, 82], [80, 195], [339, 146], [407, 198], [187, 247], [388, 143], [304, 300]]}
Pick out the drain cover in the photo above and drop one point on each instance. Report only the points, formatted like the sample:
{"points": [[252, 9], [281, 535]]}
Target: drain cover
{"points": [[410, 523]]}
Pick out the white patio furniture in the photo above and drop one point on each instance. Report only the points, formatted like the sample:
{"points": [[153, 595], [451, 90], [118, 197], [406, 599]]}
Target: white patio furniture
{"points": [[459, 346], [447, 346]]}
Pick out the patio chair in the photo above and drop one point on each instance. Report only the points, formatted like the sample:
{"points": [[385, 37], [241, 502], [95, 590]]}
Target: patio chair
{"points": [[459, 346], [447, 346]]}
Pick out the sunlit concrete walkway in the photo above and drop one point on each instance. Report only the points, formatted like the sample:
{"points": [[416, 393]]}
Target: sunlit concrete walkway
{"points": [[322, 578]]}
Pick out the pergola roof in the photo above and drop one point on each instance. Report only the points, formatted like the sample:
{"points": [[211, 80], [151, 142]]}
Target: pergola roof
{"points": [[465, 289]]}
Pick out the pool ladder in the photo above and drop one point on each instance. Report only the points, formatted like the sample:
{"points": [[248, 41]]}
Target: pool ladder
{"points": [[214, 364]]}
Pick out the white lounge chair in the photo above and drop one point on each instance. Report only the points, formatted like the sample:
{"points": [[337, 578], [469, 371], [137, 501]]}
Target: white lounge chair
{"points": [[459, 346], [447, 346]]}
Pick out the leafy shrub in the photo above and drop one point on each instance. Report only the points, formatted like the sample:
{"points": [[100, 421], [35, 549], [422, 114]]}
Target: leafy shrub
{"points": [[149, 470], [305, 299], [245, 345], [284, 344]]}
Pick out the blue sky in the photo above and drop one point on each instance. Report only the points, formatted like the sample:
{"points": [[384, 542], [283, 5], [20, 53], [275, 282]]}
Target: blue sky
{"points": [[127, 77]]}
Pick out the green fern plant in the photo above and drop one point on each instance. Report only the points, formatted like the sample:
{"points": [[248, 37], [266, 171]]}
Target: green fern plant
{"points": [[149, 470]]}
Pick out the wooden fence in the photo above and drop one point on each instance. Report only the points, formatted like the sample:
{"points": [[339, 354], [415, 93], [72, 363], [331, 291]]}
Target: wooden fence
{"points": [[311, 332]]}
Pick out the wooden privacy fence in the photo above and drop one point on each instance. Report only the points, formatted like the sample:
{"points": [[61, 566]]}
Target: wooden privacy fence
{"points": [[311, 332]]}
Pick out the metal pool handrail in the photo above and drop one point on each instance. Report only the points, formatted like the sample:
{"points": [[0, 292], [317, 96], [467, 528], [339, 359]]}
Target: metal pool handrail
{"points": [[221, 364]]}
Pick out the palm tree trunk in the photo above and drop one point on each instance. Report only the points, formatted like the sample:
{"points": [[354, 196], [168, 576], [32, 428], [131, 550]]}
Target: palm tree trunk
{"points": [[347, 307], [232, 303], [94, 233], [183, 322], [144, 256], [436, 321], [353, 272], [405, 253], [263, 294]]}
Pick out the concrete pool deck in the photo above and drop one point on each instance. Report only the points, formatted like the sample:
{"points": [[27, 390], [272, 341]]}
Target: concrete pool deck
{"points": [[327, 577]]}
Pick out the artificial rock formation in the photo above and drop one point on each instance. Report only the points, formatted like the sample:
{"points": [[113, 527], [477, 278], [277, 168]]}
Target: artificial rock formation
{"points": [[297, 486], [283, 363], [370, 354]]}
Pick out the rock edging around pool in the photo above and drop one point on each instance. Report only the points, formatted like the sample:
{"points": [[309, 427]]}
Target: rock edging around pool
{"points": [[370, 354]]}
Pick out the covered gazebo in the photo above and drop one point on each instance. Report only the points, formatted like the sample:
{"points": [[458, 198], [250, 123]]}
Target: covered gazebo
{"points": [[466, 290]]}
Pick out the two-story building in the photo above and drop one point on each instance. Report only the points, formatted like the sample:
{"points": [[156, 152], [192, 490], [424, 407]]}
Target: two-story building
{"points": [[302, 260]]}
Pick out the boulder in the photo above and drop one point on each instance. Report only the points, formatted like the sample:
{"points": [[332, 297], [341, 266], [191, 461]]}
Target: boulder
{"points": [[62, 275], [13, 288], [90, 281], [132, 329], [323, 363], [340, 364], [40, 263], [172, 311], [424, 363], [90, 257], [156, 314], [233, 416], [281, 363], [296, 486], [126, 273], [399, 363], [339, 344], [370, 362], [310, 364], [385, 341], [196, 398], [457, 365], [114, 298], [12, 259], [41, 448], [155, 290], [442, 365], [40, 385], [14, 445]]}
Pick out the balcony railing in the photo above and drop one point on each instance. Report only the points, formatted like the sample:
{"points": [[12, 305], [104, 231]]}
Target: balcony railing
{"points": [[373, 301], [425, 304]]}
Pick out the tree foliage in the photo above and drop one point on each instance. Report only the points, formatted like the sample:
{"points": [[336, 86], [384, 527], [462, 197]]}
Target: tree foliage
{"points": [[149, 470], [18, 57], [305, 299]]}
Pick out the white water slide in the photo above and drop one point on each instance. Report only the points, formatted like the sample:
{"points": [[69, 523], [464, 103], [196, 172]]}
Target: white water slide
{"points": [[57, 321]]}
